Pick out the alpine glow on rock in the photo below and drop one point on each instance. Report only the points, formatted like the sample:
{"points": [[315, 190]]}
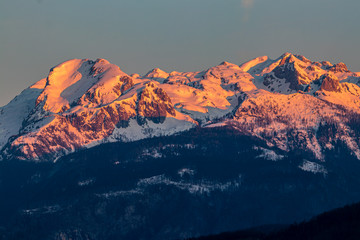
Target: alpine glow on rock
{"points": [[83, 103]]}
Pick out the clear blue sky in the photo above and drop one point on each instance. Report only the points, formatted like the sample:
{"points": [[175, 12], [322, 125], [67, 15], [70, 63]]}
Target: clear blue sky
{"points": [[183, 35]]}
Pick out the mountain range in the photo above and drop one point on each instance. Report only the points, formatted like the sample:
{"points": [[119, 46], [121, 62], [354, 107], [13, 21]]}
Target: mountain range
{"points": [[84, 103]]}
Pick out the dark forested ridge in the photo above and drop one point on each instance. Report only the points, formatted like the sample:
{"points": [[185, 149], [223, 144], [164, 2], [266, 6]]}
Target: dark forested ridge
{"points": [[201, 182], [342, 223]]}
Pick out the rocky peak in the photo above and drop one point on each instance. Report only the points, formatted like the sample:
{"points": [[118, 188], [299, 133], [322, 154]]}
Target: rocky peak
{"points": [[302, 58], [292, 72], [154, 104], [225, 63], [330, 82], [326, 65], [157, 73], [340, 67], [287, 58]]}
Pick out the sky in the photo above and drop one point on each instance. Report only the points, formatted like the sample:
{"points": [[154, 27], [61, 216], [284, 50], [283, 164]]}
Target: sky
{"points": [[181, 35]]}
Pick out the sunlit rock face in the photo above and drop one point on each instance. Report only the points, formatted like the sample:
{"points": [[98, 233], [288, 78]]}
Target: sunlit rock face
{"points": [[340, 67], [154, 103], [83, 103], [330, 83]]}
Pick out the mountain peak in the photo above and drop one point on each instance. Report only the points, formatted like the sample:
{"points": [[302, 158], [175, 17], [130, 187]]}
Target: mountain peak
{"points": [[286, 55], [70, 80], [339, 67], [225, 63], [102, 61], [287, 58], [157, 73]]}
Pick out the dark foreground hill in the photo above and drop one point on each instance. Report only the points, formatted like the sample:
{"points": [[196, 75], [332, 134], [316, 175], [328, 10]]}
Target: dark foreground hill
{"points": [[201, 182], [342, 223]]}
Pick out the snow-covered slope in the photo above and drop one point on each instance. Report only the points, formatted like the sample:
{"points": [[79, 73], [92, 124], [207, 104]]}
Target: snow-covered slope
{"points": [[13, 114], [83, 103]]}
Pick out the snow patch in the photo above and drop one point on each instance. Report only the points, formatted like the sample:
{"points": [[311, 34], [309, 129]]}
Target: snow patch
{"points": [[154, 153], [86, 182], [186, 171], [42, 210], [313, 167], [269, 154], [116, 194], [199, 187]]}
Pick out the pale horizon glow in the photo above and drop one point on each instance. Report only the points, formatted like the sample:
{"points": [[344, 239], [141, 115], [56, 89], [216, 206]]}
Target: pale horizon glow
{"points": [[186, 35]]}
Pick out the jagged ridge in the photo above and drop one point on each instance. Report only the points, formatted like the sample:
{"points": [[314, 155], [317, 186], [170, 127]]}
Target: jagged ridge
{"points": [[83, 103]]}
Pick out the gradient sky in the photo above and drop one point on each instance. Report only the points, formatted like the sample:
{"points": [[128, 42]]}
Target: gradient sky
{"points": [[182, 35]]}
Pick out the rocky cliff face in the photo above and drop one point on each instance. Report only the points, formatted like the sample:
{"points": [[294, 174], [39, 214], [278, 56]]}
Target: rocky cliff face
{"points": [[330, 83], [83, 103], [291, 70]]}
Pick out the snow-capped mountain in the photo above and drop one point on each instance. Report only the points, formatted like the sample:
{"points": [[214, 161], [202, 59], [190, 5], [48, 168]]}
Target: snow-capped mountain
{"points": [[285, 102]]}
